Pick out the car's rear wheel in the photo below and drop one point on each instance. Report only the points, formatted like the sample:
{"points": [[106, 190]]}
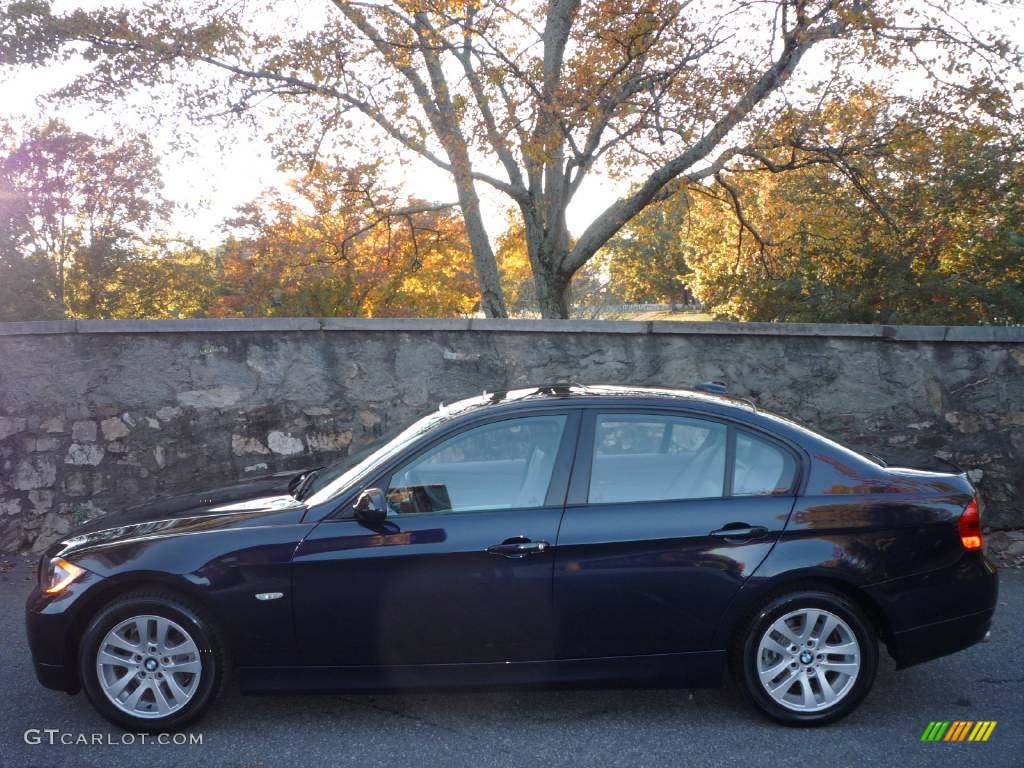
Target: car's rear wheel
{"points": [[151, 661], [808, 657]]}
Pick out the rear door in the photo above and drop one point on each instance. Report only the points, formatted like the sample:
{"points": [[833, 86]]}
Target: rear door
{"points": [[668, 514]]}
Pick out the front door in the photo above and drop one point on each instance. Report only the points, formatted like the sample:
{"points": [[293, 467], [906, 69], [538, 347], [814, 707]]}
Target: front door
{"points": [[668, 515], [461, 569]]}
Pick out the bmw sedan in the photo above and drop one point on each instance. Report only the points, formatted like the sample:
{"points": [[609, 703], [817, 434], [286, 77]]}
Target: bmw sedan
{"points": [[558, 535]]}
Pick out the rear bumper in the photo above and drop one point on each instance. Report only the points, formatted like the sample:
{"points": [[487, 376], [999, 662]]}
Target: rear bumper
{"points": [[939, 612], [940, 639]]}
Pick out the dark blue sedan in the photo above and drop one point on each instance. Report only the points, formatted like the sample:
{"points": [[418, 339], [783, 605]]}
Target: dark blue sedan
{"points": [[553, 535]]}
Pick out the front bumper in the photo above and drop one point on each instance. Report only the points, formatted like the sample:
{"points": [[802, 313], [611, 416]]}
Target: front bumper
{"points": [[53, 628], [54, 676]]}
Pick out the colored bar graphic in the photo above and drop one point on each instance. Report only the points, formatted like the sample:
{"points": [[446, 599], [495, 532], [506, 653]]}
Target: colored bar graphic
{"points": [[935, 730], [958, 730]]}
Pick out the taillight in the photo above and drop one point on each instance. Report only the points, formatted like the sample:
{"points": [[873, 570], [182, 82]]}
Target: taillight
{"points": [[970, 526]]}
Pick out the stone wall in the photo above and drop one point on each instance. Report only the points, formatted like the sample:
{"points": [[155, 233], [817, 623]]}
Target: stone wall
{"points": [[98, 415]]}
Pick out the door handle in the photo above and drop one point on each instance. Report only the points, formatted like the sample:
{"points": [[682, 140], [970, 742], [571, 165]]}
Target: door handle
{"points": [[740, 531], [518, 547]]}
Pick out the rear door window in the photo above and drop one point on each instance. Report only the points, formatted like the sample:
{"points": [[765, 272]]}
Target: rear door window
{"points": [[644, 457]]}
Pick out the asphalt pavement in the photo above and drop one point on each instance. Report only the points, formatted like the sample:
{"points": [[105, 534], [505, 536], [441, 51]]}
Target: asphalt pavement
{"points": [[550, 728]]}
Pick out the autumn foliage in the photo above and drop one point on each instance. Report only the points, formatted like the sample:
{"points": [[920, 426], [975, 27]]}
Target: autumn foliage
{"points": [[328, 248]]}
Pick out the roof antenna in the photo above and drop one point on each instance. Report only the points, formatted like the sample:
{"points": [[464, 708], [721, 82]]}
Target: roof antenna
{"points": [[714, 387]]}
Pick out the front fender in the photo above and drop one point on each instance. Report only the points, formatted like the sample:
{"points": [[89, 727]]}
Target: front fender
{"points": [[222, 569]]}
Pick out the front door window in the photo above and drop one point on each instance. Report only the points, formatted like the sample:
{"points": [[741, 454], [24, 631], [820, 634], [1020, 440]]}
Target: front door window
{"points": [[501, 465]]}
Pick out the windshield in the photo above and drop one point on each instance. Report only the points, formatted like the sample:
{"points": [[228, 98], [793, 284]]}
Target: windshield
{"points": [[334, 479]]}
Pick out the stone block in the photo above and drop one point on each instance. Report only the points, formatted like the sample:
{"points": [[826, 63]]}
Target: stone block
{"points": [[40, 444], [53, 425], [284, 444], [242, 445], [84, 454], [215, 397], [114, 428], [10, 426], [83, 431], [41, 501], [325, 442], [33, 472]]}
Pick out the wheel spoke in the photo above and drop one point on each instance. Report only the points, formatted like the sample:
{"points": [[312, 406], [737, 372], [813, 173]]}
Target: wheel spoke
{"points": [[162, 705], [827, 690], [120, 642], [133, 701], [810, 620], [771, 644], [117, 687], [186, 647], [192, 665], [772, 672], [161, 634], [105, 657], [782, 688], [842, 649], [844, 667], [783, 629], [807, 692], [142, 625], [177, 692], [827, 628]]}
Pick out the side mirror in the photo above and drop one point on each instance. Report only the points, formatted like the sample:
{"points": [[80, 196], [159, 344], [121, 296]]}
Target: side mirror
{"points": [[371, 506]]}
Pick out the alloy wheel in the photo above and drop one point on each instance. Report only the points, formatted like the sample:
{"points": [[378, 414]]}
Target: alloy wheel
{"points": [[808, 660], [148, 666]]}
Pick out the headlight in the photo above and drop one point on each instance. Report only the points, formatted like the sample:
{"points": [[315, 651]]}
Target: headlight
{"points": [[58, 574]]}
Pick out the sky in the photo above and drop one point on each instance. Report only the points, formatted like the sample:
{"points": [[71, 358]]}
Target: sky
{"points": [[215, 177], [211, 181]]}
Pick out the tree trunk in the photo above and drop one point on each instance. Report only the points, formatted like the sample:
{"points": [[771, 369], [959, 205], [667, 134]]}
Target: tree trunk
{"points": [[547, 250], [62, 285], [492, 298], [552, 294]]}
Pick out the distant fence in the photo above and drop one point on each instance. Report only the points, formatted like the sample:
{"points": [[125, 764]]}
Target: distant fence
{"points": [[595, 311]]}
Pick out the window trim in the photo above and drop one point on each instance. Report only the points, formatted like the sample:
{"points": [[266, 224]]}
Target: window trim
{"points": [[579, 487], [557, 486]]}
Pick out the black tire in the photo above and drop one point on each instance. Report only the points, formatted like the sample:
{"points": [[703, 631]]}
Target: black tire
{"points": [[184, 613], [745, 653]]}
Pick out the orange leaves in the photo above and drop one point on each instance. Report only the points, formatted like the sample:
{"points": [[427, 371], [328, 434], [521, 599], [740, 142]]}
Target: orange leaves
{"points": [[346, 245]]}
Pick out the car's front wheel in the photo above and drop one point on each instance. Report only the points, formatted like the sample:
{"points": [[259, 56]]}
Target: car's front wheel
{"points": [[151, 661], [808, 657]]}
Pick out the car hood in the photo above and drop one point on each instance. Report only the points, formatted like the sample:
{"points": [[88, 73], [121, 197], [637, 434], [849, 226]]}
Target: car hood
{"points": [[230, 506]]}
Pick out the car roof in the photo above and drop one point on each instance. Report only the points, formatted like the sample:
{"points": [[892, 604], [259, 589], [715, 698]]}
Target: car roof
{"points": [[561, 392]]}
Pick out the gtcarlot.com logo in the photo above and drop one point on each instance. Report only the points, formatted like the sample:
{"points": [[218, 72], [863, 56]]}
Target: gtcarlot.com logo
{"points": [[68, 738], [958, 730]]}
